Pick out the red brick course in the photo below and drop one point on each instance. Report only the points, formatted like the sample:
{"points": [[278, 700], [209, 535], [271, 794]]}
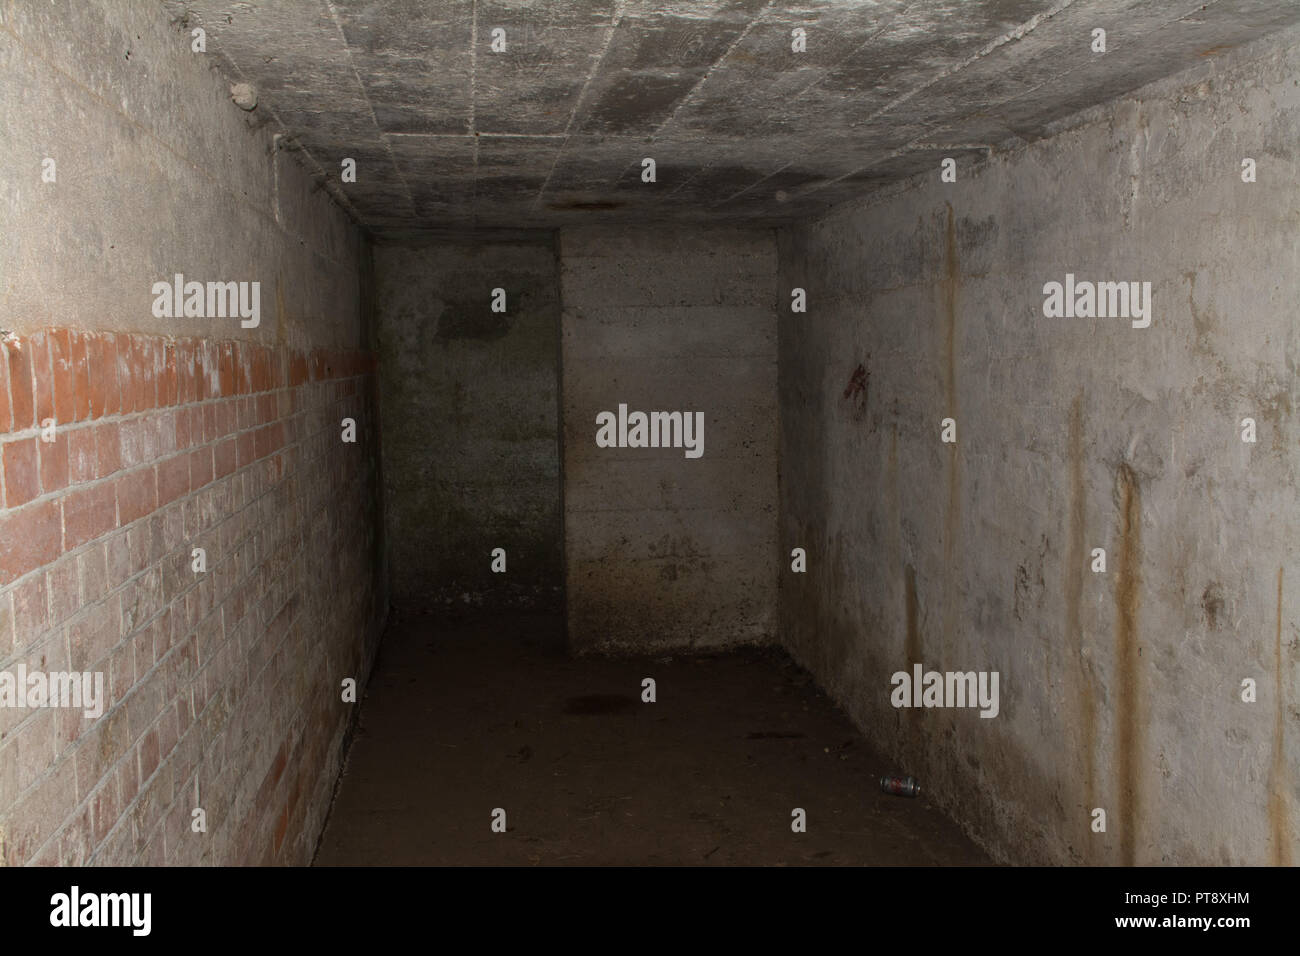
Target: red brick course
{"points": [[229, 677]]}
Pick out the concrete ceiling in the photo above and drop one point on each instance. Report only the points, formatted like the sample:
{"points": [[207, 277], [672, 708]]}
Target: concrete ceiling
{"points": [[451, 136]]}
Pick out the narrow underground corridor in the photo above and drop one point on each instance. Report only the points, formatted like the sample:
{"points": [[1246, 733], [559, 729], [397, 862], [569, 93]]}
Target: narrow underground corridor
{"points": [[907, 388], [481, 710]]}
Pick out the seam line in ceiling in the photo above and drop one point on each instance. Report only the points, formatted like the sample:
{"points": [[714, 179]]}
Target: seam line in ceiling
{"points": [[370, 108], [568, 128]]}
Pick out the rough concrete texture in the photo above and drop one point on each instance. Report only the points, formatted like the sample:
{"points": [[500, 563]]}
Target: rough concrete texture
{"points": [[552, 130], [661, 549], [466, 715], [471, 421], [1120, 690], [157, 172]]}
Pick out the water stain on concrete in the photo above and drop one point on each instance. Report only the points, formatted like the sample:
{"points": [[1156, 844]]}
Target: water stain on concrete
{"points": [[473, 320], [1278, 810], [1128, 723], [912, 649], [951, 279], [952, 522], [281, 314], [1075, 569], [1212, 605]]}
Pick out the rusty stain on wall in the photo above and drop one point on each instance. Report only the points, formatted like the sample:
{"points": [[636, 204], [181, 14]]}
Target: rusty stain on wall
{"points": [[1128, 724], [953, 517], [1075, 568], [1278, 810]]}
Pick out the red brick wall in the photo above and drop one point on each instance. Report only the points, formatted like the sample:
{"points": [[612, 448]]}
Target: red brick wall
{"points": [[229, 677]]}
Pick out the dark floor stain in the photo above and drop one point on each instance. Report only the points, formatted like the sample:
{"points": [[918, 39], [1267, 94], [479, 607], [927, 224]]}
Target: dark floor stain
{"points": [[599, 704], [773, 735]]}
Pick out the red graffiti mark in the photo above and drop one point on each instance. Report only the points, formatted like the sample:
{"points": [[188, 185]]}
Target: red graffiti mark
{"points": [[857, 384]]}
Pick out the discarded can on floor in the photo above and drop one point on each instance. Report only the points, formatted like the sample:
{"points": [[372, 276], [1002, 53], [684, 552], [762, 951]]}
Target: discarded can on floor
{"points": [[900, 786]]}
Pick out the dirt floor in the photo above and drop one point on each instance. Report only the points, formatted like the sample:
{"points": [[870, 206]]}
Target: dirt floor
{"points": [[468, 713]]}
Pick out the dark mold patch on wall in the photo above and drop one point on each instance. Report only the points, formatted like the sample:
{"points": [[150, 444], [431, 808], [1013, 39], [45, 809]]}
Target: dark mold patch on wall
{"points": [[471, 429]]}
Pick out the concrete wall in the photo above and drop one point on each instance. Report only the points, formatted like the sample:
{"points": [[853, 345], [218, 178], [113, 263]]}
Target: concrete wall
{"points": [[157, 173], [1119, 690], [471, 421], [663, 550], [170, 435]]}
